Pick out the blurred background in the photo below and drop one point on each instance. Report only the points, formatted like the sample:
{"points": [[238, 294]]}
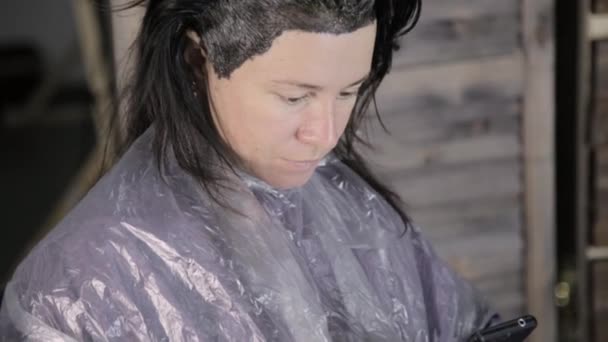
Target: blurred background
{"points": [[498, 120]]}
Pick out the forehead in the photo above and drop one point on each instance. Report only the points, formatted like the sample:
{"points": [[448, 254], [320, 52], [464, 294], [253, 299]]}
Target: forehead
{"points": [[323, 59]]}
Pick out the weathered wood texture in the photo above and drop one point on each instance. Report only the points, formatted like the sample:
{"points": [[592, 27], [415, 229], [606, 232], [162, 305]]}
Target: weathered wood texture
{"points": [[599, 143], [599, 98], [453, 106], [600, 222], [599, 281], [599, 146], [538, 132], [455, 30], [600, 6]]}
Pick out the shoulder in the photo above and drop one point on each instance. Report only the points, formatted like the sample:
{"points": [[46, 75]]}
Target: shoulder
{"points": [[112, 232], [63, 282], [336, 185], [83, 282], [69, 256]]}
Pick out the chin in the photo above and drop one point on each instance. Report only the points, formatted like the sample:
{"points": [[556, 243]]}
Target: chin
{"points": [[289, 182]]}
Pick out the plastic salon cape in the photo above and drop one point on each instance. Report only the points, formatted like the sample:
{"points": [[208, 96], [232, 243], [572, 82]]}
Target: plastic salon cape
{"points": [[146, 256]]}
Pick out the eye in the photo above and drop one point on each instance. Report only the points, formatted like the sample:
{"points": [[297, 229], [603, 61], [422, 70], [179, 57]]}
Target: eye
{"points": [[348, 95], [293, 101]]}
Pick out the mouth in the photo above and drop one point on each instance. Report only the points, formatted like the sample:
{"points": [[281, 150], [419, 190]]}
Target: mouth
{"points": [[302, 165], [304, 161]]}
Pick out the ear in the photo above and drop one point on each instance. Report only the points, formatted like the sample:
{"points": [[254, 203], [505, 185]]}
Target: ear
{"points": [[195, 55], [194, 37]]}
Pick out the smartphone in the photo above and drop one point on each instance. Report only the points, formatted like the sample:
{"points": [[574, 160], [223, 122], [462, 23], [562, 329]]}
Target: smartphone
{"points": [[515, 330]]}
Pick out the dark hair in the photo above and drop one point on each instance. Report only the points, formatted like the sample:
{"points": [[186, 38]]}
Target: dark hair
{"points": [[231, 32]]}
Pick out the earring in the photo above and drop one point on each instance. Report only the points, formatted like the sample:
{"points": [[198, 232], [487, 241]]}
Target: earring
{"points": [[194, 92]]}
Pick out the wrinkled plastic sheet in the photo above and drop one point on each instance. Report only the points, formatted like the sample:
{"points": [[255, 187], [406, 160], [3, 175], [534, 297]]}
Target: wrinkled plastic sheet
{"points": [[147, 256]]}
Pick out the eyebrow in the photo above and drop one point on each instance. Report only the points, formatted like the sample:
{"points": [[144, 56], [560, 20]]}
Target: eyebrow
{"points": [[316, 87]]}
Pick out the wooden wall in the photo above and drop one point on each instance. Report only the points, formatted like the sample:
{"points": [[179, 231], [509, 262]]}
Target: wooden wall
{"points": [[453, 105], [598, 119]]}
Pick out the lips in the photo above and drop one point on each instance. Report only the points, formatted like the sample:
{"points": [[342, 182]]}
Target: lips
{"points": [[302, 165], [305, 161]]}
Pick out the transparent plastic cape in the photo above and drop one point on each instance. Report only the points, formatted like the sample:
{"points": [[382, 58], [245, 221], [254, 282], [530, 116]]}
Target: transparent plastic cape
{"points": [[147, 256]]}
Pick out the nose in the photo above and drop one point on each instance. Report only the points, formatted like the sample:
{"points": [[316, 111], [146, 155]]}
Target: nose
{"points": [[319, 128]]}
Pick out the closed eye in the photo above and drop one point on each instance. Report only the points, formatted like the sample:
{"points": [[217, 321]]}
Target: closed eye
{"points": [[348, 95], [292, 101]]}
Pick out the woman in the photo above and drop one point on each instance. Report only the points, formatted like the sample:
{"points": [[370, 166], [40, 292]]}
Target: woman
{"points": [[241, 210]]}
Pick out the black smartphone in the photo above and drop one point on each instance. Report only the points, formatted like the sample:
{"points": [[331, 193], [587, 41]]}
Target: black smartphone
{"points": [[515, 330]]}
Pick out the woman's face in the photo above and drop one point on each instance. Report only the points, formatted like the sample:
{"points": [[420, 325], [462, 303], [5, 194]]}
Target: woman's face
{"points": [[284, 110]]}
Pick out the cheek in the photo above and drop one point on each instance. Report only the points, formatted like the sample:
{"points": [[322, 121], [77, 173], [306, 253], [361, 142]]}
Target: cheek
{"points": [[276, 133], [259, 127], [343, 117]]}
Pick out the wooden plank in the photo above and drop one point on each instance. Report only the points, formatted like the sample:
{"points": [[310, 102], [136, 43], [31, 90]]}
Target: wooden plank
{"points": [[439, 9], [444, 121], [503, 292], [601, 197], [496, 219], [602, 155], [599, 104], [601, 181], [600, 62], [512, 306], [599, 236], [451, 136], [599, 274], [491, 263], [600, 65], [509, 282], [597, 26], [539, 161], [600, 231], [496, 271], [596, 254], [485, 252], [479, 270], [600, 224], [601, 159], [494, 79], [583, 95], [599, 119], [460, 29], [451, 39], [430, 187], [599, 6], [469, 118], [454, 243], [125, 26], [467, 210], [433, 154]]}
